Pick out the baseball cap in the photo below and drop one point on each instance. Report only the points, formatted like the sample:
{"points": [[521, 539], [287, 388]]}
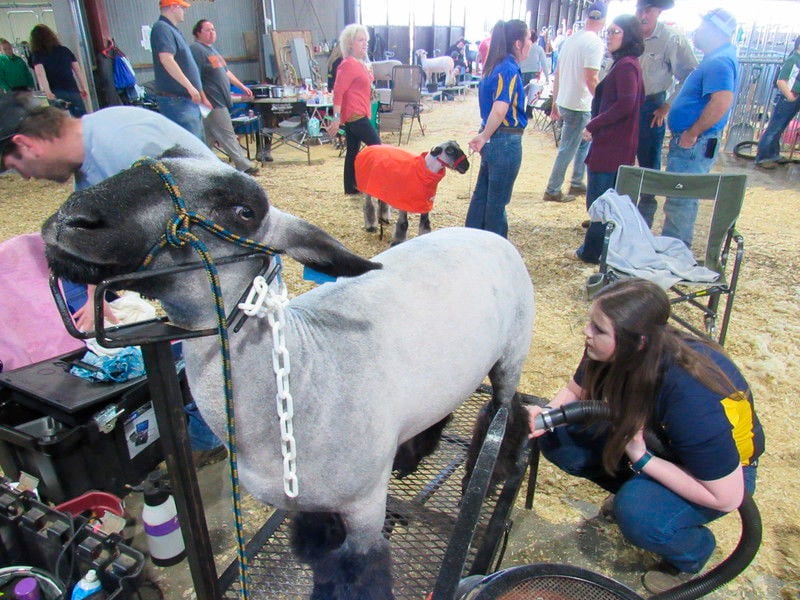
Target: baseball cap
{"points": [[662, 4], [596, 11], [166, 3], [722, 20], [14, 109]]}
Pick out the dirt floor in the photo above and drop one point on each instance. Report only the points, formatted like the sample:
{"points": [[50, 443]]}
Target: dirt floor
{"points": [[762, 337]]}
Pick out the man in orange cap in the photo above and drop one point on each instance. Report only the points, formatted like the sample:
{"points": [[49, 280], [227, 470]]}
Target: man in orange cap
{"points": [[179, 89]]}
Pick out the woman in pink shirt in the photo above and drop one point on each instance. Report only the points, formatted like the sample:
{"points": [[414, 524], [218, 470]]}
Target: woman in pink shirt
{"points": [[352, 99]]}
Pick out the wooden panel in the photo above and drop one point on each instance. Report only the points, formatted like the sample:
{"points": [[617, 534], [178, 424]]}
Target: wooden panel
{"points": [[283, 56]]}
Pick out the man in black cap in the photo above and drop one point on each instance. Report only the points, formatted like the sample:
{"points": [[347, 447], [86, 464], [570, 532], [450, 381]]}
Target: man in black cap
{"points": [[667, 61]]}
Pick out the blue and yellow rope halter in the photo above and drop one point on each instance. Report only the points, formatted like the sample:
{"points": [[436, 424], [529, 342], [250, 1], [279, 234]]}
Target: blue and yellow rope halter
{"points": [[177, 235]]}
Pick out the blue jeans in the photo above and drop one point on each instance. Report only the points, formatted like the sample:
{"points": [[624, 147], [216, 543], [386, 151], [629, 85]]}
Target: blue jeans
{"points": [[648, 153], [200, 436], [592, 247], [184, 112], [769, 146], [572, 148], [77, 108], [681, 213], [501, 157], [648, 514]]}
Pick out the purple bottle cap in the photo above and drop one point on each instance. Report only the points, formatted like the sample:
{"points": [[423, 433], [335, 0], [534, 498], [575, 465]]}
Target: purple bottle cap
{"points": [[27, 589]]}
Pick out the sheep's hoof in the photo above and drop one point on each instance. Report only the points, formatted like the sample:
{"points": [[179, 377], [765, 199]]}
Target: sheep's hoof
{"points": [[372, 229]]}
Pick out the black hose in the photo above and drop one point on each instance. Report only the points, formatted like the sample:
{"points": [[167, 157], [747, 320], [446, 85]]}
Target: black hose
{"points": [[749, 541]]}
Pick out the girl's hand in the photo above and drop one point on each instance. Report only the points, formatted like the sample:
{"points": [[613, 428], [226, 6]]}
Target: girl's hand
{"points": [[586, 135], [476, 143], [533, 412], [636, 447]]}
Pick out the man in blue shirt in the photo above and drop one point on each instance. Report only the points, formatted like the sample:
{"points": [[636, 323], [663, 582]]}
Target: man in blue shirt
{"points": [[179, 89], [699, 114]]}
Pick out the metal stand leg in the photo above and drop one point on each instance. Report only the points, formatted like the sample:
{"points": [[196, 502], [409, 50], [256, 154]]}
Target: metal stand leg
{"points": [[168, 406]]}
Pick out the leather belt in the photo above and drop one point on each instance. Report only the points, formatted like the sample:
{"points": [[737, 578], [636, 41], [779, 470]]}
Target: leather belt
{"points": [[511, 130], [657, 97]]}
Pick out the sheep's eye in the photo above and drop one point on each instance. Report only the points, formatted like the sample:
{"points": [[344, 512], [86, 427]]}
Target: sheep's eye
{"points": [[451, 151], [245, 213]]}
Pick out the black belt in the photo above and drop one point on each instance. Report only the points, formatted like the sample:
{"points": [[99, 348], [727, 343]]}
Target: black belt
{"points": [[169, 95], [657, 97], [511, 130]]}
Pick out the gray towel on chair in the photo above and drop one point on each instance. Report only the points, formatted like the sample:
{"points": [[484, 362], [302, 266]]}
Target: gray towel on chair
{"points": [[634, 250]]}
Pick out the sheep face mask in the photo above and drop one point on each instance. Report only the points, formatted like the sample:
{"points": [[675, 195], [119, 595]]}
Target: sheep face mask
{"points": [[359, 371]]}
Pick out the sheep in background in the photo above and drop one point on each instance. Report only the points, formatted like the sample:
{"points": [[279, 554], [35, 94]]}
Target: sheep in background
{"points": [[404, 180], [434, 66], [366, 379]]}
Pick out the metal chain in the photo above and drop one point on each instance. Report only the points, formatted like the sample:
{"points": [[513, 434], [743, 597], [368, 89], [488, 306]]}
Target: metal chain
{"points": [[263, 300]]}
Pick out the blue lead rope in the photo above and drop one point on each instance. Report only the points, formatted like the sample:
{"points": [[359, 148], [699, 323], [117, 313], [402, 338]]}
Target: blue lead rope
{"points": [[177, 235]]}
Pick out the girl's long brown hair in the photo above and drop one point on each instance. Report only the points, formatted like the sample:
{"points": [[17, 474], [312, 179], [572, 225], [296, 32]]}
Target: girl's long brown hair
{"points": [[43, 39], [504, 34], [645, 343]]}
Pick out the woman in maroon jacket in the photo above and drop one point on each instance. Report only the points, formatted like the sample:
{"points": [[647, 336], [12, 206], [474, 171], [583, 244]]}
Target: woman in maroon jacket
{"points": [[614, 128]]}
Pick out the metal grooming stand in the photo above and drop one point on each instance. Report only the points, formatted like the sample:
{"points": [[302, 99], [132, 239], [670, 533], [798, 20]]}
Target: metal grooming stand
{"points": [[155, 338]]}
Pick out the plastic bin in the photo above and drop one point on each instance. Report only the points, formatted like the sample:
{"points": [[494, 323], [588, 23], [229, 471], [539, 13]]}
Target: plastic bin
{"points": [[32, 533], [63, 445]]}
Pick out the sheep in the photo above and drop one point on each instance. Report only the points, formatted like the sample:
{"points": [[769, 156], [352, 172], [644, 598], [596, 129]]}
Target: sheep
{"points": [[439, 64], [364, 379], [382, 69], [404, 180]]}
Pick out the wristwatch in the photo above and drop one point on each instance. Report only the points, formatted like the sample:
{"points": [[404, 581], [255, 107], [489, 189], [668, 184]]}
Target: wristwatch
{"points": [[637, 466]]}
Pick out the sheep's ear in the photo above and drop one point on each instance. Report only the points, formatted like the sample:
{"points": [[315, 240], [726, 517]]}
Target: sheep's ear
{"points": [[436, 151], [312, 247], [179, 152]]}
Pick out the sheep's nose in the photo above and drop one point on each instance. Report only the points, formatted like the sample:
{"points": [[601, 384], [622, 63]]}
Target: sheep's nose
{"points": [[82, 219]]}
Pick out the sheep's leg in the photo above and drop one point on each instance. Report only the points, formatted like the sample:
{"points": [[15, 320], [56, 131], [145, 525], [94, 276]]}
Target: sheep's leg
{"points": [[359, 568], [503, 394], [411, 452], [400, 228], [384, 212], [424, 223], [370, 218]]}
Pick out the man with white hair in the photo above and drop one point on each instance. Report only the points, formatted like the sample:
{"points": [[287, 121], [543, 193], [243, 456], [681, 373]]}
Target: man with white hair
{"points": [[666, 63], [700, 113]]}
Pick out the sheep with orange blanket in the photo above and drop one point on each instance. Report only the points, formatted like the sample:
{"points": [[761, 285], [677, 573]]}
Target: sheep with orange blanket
{"points": [[405, 181]]}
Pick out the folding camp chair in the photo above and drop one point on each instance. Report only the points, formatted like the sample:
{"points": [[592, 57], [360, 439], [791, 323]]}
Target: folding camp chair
{"points": [[720, 201], [407, 92]]}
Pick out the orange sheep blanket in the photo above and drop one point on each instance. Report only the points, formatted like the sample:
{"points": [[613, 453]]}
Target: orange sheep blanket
{"points": [[397, 177]]}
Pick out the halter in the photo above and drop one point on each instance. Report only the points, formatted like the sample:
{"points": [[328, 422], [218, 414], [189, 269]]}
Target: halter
{"points": [[177, 235], [457, 162]]}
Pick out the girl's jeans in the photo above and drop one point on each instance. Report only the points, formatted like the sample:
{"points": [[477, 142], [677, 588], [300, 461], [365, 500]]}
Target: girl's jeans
{"points": [[648, 514], [501, 157]]}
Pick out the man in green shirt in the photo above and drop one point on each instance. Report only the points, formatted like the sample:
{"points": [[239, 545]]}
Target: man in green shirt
{"points": [[14, 73], [788, 84]]}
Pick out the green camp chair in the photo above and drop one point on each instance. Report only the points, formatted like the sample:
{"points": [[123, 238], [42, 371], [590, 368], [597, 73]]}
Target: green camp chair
{"points": [[407, 83], [721, 198]]}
